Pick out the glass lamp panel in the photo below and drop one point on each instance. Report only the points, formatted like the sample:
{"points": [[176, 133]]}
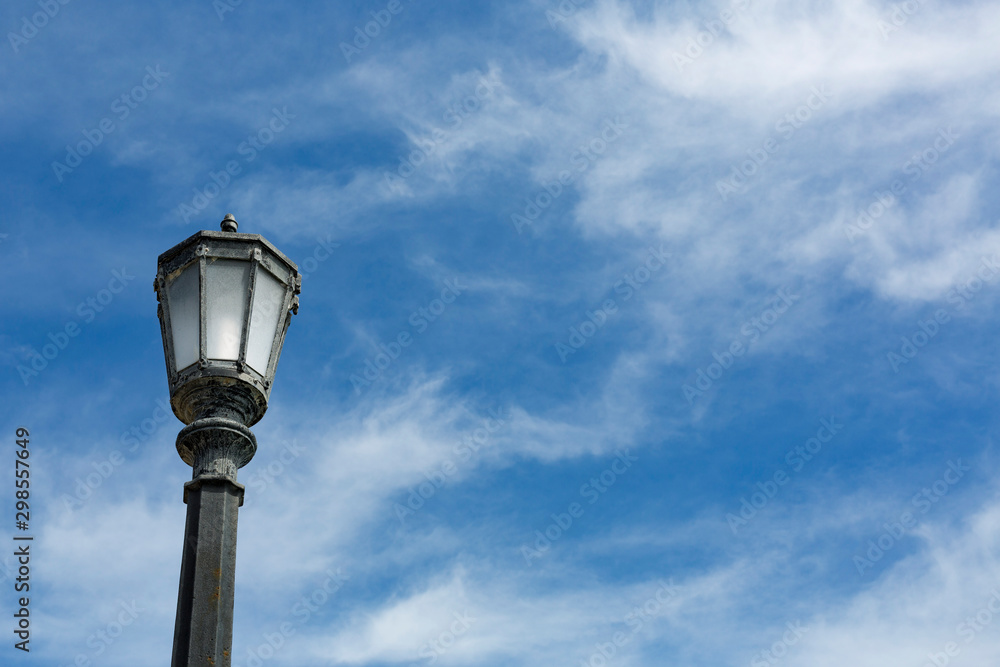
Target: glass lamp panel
{"points": [[268, 299], [227, 283], [185, 310]]}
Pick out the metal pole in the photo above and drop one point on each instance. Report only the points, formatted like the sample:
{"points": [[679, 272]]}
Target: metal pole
{"points": [[203, 631]]}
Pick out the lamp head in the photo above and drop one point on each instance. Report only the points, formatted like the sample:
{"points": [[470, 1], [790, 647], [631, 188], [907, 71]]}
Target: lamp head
{"points": [[225, 303]]}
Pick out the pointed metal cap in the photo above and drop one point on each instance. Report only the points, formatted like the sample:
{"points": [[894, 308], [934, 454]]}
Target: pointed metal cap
{"points": [[229, 223]]}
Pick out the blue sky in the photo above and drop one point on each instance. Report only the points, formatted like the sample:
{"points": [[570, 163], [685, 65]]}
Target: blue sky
{"points": [[715, 385]]}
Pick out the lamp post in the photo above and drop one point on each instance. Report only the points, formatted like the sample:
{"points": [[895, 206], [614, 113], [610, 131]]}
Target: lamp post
{"points": [[225, 303]]}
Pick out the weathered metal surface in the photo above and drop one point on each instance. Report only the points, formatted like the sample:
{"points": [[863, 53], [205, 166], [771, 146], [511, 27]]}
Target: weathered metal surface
{"points": [[216, 446], [203, 632], [199, 249], [219, 396]]}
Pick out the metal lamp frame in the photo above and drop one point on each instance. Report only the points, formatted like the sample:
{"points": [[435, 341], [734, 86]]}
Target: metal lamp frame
{"points": [[201, 248]]}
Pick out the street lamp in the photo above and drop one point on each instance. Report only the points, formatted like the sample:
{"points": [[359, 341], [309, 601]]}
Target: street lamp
{"points": [[225, 303]]}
